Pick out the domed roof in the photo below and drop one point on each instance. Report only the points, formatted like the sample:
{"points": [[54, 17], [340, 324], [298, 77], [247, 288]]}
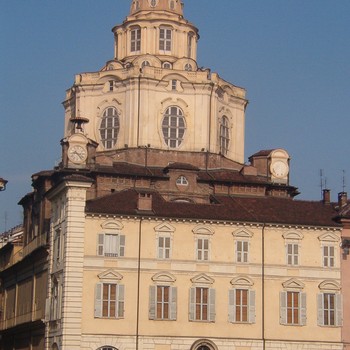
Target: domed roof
{"points": [[174, 6]]}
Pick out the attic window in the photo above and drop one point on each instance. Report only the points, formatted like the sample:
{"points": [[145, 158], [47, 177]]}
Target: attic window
{"points": [[182, 181]]}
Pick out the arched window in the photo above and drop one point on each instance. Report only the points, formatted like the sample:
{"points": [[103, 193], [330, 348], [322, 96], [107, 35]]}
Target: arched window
{"points": [[107, 348], [189, 44], [145, 64], [167, 65], [109, 127], [224, 135], [135, 39], [173, 126]]}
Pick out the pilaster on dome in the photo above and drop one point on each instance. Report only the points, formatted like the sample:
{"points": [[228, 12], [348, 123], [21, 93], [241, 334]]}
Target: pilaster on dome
{"points": [[174, 6]]}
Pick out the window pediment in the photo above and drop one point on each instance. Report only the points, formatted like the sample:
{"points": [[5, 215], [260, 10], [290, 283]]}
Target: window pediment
{"points": [[110, 275], [163, 227], [112, 225], [329, 286], [164, 277], [202, 279], [328, 237], [203, 230], [242, 282], [293, 236], [293, 284], [242, 233]]}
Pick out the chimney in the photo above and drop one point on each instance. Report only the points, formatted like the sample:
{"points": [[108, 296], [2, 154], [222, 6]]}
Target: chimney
{"points": [[326, 196], [144, 202], [342, 199]]}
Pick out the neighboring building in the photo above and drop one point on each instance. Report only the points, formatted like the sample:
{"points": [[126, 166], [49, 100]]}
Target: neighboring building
{"points": [[344, 218], [159, 236]]}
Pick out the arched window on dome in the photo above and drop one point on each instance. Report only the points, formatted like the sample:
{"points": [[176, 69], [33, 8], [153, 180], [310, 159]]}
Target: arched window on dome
{"points": [[109, 127], [153, 3], [145, 64], [107, 348], [173, 126], [189, 44], [224, 135], [135, 39], [188, 67]]}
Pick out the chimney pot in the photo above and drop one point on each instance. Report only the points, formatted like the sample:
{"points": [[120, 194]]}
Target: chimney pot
{"points": [[342, 199], [326, 196]]}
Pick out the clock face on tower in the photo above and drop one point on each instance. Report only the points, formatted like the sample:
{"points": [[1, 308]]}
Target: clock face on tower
{"points": [[279, 169], [77, 154]]}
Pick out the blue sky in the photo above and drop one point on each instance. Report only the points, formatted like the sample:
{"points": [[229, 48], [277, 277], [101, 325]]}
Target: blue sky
{"points": [[292, 56]]}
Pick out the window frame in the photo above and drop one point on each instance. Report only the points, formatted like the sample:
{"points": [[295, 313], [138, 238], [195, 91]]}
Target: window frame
{"points": [[224, 135], [202, 308], [163, 251], [291, 314], [242, 255], [235, 307], [161, 308], [202, 248], [119, 300], [165, 39], [119, 247], [109, 128], [135, 39], [328, 260], [173, 127], [293, 257]]}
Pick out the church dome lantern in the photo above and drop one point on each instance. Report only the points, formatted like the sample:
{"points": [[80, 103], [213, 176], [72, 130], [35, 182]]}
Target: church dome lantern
{"points": [[174, 6]]}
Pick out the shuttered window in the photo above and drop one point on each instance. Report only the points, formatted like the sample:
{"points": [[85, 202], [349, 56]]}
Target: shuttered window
{"points": [[164, 247], [328, 256], [111, 245], [202, 304], [242, 249], [109, 300], [330, 310], [202, 249], [242, 306], [162, 303], [293, 308], [293, 254]]}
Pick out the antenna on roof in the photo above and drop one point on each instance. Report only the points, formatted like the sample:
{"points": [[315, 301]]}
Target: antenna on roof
{"points": [[323, 182], [344, 181]]}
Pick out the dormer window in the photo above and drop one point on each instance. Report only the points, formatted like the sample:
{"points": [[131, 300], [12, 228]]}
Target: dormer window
{"points": [[165, 39], [135, 39], [188, 67]]}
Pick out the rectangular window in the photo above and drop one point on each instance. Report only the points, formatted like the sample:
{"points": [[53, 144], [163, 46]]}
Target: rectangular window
{"points": [[242, 305], [135, 40], [293, 308], [292, 254], [162, 303], [173, 84], [202, 304], [163, 247], [330, 309], [110, 245], [328, 256], [109, 300], [203, 249], [165, 38], [189, 44], [242, 251]]}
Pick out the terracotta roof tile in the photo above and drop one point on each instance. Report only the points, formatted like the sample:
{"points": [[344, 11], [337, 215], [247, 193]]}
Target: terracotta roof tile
{"points": [[238, 209]]}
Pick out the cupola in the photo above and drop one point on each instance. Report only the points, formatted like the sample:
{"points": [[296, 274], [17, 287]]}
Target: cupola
{"points": [[174, 6], [156, 28]]}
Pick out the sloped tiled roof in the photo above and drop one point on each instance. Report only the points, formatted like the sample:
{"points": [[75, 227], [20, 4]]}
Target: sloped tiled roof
{"points": [[270, 210]]}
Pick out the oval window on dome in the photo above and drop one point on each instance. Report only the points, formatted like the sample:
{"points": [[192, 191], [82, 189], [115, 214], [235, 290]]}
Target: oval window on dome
{"points": [[109, 128], [173, 127], [153, 3]]}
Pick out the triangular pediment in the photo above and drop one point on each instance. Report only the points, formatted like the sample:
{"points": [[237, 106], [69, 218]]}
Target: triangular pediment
{"points": [[242, 233], [110, 275], [164, 227], [328, 237], [202, 279], [293, 284]]}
